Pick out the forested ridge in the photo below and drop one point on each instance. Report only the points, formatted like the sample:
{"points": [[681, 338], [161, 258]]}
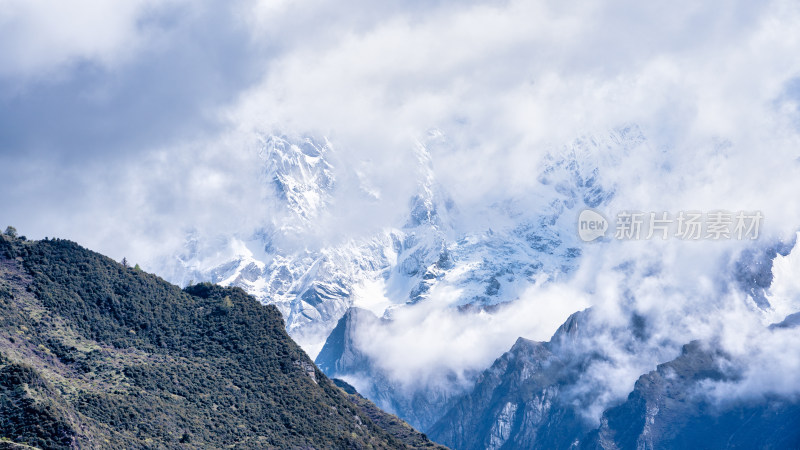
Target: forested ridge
{"points": [[95, 354]]}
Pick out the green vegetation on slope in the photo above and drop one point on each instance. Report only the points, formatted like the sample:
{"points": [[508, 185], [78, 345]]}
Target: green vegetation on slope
{"points": [[389, 422], [98, 355]]}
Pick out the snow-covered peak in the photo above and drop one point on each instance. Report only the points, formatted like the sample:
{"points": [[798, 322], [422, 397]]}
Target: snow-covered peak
{"points": [[300, 174], [528, 240]]}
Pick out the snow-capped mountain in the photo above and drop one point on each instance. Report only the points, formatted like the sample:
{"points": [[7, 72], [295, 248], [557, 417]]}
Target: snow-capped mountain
{"points": [[487, 268], [313, 287], [339, 299]]}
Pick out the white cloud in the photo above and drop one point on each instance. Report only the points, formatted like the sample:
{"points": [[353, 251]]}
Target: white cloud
{"points": [[784, 293], [40, 36], [423, 343]]}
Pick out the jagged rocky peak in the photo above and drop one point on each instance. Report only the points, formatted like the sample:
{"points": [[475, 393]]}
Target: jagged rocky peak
{"points": [[431, 205], [300, 172], [791, 321], [571, 331], [575, 170], [535, 395], [752, 270], [407, 261], [672, 408], [519, 401], [340, 354]]}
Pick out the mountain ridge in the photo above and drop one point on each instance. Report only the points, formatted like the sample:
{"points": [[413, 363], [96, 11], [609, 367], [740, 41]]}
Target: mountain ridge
{"points": [[95, 354], [428, 246], [526, 399]]}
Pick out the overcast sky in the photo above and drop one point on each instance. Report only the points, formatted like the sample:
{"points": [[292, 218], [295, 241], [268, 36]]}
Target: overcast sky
{"points": [[123, 124]]}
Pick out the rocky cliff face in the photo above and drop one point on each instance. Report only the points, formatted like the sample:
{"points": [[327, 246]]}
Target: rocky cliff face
{"points": [[341, 357], [671, 408], [519, 402], [530, 398]]}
